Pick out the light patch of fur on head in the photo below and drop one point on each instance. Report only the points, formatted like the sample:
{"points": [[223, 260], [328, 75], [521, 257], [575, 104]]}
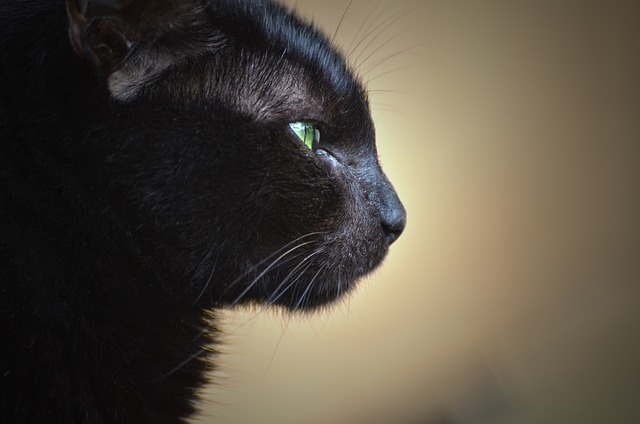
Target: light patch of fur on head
{"points": [[142, 68], [125, 83], [268, 88], [280, 94], [175, 35]]}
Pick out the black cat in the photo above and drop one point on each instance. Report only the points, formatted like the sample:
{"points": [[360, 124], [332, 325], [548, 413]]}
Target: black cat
{"points": [[159, 159]]}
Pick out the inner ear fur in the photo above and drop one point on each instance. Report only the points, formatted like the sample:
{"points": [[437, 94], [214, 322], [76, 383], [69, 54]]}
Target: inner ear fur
{"points": [[130, 42], [105, 31]]}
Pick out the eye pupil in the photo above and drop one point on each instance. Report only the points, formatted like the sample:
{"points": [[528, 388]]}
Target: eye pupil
{"points": [[307, 133]]}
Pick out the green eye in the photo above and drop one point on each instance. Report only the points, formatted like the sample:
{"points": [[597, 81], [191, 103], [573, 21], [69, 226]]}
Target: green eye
{"points": [[307, 133]]}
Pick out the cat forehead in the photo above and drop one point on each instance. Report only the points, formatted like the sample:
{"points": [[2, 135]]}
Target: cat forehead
{"points": [[255, 85], [255, 29], [269, 25]]}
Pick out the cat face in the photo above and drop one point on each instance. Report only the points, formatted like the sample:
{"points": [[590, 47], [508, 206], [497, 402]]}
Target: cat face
{"points": [[238, 147]]}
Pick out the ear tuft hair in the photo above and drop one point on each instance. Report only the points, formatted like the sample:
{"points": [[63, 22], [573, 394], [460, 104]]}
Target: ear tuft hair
{"points": [[103, 31]]}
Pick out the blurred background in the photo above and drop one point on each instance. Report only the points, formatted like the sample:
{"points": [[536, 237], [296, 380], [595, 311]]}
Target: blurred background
{"points": [[511, 130]]}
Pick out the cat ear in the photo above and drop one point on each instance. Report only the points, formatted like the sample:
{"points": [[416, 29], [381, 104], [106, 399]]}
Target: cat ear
{"points": [[104, 30]]}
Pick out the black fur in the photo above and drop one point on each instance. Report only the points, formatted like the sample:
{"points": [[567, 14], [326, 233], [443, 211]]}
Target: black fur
{"points": [[148, 175]]}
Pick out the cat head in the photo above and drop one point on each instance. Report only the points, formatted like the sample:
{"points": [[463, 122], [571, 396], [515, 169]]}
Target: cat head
{"points": [[237, 146]]}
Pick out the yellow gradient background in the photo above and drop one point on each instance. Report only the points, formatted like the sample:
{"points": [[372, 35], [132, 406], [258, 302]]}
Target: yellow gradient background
{"points": [[511, 130]]}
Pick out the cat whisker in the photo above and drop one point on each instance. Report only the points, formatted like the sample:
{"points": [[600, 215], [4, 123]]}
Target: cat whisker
{"points": [[183, 363], [273, 297], [378, 30], [382, 91], [344, 14], [284, 52], [213, 268], [300, 302], [307, 290], [386, 107], [377, 49], [266, 270], [206, 285], [277, 294], [261, 310], [363, 24], [194, 270], [265, 260], [387, 73], [265, 306], [278, 261], [275, 351], [379, 62]]}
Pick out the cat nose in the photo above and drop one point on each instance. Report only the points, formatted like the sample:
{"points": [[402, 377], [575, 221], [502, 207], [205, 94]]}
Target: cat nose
{"points": [[393, 221], [393, 216]]}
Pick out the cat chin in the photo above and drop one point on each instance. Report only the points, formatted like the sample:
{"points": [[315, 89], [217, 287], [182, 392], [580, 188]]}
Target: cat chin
{"points": [[319, 291], [318, 277]]}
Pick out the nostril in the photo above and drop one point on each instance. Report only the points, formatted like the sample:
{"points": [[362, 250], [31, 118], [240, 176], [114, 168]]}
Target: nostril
{"points": [[393, 224], [393, 216]]}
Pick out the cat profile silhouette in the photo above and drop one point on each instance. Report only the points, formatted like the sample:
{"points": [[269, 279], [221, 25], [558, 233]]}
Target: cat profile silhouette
{"points": [[158, 160]]}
